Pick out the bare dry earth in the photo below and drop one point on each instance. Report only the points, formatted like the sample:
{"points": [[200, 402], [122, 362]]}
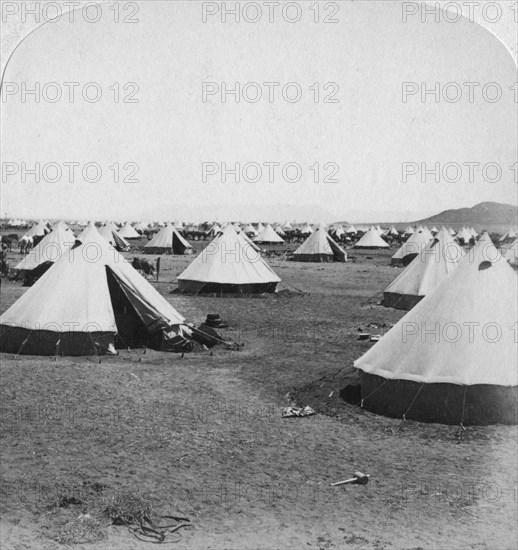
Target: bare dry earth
{"points": [[203, 435]]}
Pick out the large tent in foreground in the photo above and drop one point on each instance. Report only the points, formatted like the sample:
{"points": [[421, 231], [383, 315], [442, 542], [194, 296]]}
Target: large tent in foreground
{"points": [[452, 358], [228, 264], [168, 241], [430, 268], [319, 247], [371, 240], [412, 247], [87, 302]]}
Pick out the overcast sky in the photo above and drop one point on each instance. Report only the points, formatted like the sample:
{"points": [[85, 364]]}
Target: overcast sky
{"points": [[170, 131]]}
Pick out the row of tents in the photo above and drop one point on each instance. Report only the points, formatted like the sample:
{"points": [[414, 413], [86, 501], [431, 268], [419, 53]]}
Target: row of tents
{"points": [[318, 247], [135, 229], [92, 300]]}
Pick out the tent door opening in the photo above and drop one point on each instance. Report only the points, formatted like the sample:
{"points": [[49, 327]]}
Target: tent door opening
{"points": [[131, 331]]}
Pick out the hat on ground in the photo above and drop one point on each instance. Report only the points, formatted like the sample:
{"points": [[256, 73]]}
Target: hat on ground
{"points": [[214, 320]]}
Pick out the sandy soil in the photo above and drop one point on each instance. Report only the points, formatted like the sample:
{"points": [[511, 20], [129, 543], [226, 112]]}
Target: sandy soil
{"points": [[203, 435]]}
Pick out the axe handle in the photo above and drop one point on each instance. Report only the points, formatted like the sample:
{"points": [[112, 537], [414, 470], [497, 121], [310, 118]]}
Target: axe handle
{"points": [[356, 478], [345, 481]]}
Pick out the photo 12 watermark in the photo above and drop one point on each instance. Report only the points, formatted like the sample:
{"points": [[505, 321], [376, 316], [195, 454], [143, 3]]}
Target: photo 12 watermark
{"points": [[269, 172], [458, 172], [269, 92], [70, 92], [455, 92], [318, 12], [69, 12], [456, 12], [73, 172]]}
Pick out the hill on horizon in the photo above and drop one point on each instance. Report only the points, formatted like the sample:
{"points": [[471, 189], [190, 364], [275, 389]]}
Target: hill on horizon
{"points": [[493, 216], [485, 215]]}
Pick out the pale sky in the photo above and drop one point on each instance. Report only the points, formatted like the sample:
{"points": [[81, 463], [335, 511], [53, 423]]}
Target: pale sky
{"points": [[171, 132]]}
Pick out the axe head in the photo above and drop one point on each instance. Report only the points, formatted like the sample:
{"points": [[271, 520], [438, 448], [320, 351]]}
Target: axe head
{"points": [[361, 479]]}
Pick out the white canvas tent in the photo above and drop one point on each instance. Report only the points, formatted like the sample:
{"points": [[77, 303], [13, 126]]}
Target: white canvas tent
{"points": [[412, 247], [429, 269], [168, 241], [38, 230], [453, 357], [319, 247], [128, 232], [229, 264], [82, 302], [249, 229], [85, 231], [279, 230], [268, 236], [49, 250], [371, 240], [464, 236], [110, 233]]}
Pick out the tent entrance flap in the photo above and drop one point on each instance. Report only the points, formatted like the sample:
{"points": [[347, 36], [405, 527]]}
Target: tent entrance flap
{"points": [[131, 330]]}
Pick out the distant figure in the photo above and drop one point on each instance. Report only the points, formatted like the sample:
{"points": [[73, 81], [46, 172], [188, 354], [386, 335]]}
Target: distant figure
{"points": [[157, 268]]}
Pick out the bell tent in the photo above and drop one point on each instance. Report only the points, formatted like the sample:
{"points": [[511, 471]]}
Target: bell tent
{"points": [[319, 247], [88, 302], [432, 265], [168, 241], [412, 247], [228, 264], [371, 240], [452, 359]]}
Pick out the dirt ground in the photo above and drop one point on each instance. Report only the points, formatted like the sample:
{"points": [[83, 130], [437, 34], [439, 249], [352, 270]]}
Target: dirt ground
{"points": [[203, 435]]}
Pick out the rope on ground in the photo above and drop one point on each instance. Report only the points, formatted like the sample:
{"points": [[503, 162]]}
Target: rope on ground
{"points": [[148, 531]]}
